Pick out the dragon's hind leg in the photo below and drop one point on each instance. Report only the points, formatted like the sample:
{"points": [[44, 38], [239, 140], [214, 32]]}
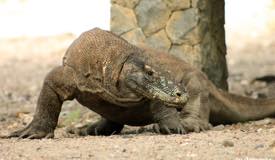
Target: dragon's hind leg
{"points": [[102, 127]]}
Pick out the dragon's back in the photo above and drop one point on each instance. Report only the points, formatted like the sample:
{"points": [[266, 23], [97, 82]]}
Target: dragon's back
{"points": [[97, 57]]}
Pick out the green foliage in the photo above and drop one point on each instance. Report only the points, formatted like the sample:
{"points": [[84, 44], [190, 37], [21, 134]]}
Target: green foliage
{"points": [[72, 117]]}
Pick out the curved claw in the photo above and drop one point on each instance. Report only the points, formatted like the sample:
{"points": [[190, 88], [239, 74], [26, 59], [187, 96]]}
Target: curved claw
{"points": [[156, 128], [40, 135], [23, 135], [33, 136], [164, 129], [49, 135], [16, 133], [195, 125], [181, 130], [197, 129], [96, 132], [30, 133]]}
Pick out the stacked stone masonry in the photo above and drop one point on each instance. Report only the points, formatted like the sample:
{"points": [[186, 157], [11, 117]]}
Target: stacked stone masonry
{"points": [[192, 30]]}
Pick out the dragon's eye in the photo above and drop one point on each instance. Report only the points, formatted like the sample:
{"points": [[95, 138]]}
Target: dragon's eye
{"points": [[148, 70]]}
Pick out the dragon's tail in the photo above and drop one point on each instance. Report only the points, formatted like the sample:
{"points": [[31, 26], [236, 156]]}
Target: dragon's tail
{"points": [[231, 108]]}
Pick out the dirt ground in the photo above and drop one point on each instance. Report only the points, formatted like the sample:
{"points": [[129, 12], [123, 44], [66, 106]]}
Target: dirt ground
{"points": [[24, 63]]}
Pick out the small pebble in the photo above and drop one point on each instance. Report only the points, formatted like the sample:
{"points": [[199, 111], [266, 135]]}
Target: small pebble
{"points": [[127, 136], [227, 143], [272, 145], [27, 97], [218, 128], [259, 130], [90, 155], [259, 146], [2, 119]]}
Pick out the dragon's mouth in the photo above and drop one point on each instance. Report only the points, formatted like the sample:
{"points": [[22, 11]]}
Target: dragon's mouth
{"points": [[171, 102], [170, 96], [161, 94], [177, 102], [173, 105]]}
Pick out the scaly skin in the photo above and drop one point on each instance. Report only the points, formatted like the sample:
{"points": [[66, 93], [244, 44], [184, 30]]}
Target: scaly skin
{"points": [[207, 103], [107, 78], [133, 86]]}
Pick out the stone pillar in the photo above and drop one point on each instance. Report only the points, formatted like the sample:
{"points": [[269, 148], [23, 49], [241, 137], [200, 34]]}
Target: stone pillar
{"points": [[192, 30]]}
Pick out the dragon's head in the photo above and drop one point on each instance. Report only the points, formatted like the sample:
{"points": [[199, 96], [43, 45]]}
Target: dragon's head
{"points": [[154, 83]]}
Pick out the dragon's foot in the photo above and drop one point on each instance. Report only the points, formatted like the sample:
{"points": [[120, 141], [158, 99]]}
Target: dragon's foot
{"points": [[81, 131], [102, 127], [32, 132], [195, 125], [169, 126]]}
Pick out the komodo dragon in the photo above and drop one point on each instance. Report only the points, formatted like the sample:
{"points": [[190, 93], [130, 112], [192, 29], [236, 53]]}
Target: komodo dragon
{"points": [[136, 86]]}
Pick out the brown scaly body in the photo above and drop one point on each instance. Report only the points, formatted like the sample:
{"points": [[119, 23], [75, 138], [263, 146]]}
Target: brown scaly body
{"points": [[129, 85], [206, 102]]}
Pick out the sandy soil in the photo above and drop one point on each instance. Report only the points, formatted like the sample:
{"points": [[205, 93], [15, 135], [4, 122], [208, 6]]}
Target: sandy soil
{"points": [[25, 61]]}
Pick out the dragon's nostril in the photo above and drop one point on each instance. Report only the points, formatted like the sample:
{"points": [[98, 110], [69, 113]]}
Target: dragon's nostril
{"points": [[178, 94]]}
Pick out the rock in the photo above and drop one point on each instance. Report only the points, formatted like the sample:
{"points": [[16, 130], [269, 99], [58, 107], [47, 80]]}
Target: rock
{"points": [[218, 128], [186, 53], [159, 41], [197, 23], [259, 146], [135, 36], [227, 143], [259, 130], [265, 121], [178, 4], [195, 36], [27, 97], [126, 3], [122, 19], [201, 4], [194, 3], [152, 15], [262, 87], [3, 119], [24, 117], [182, 51], [197, 53], [181, 23]]}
